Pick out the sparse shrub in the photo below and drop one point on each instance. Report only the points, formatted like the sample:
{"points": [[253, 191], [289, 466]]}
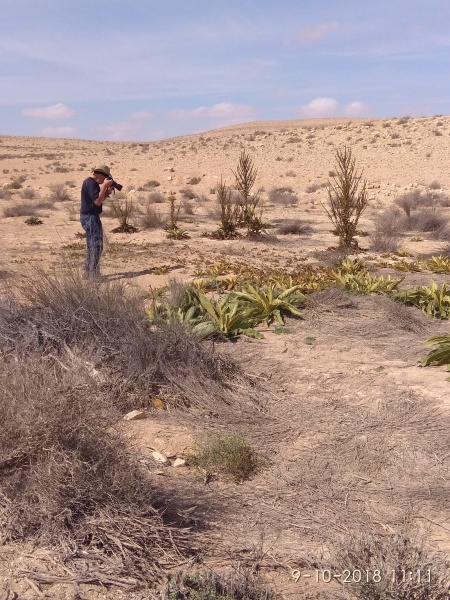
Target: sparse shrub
{"points": [[347, 195], [155, 198], [123, 211], [187, 207], [426, 221], [314, 187], [435, 185], [149, 185], [239, 584], [227, 454], [5, 194], [14, 185], [294, 227], [283, 195], [59, 193], [408, 201], [152, 219], [194, 180], [395, 567], [27, 194], [188, 193], [21, 210]]}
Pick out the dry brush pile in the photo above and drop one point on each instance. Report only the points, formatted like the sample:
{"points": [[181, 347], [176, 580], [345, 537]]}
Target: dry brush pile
{"points": [[74, 355]]}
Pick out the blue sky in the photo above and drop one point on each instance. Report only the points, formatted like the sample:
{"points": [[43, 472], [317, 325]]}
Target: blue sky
{"points": [[142, 70]]}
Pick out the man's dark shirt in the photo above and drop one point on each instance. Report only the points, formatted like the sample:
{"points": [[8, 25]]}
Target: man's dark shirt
{"points": [[90, 191]]}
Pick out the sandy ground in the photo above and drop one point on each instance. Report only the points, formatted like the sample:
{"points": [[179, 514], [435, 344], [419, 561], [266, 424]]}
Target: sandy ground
{"points": [[354, 430]]}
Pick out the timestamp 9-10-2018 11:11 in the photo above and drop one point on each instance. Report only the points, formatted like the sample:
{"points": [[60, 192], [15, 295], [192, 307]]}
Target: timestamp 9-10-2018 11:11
{"points": [[352, 576]]}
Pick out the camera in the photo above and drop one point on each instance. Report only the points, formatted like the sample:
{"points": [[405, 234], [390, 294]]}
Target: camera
{"points": [[115, 185]]}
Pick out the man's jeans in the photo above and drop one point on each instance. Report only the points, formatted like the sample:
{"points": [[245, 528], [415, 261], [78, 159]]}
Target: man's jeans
{"points": [[94, 242]]}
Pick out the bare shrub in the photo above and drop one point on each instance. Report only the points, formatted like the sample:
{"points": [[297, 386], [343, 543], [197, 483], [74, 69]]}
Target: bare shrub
{"points": [[399, 566], [152, 219], [408, 201], [110, 319], [283, 195], [295, 227], [155, 198], [314, 187], [5, 194], [240, 583], [229, 212], [188, 193], [435, 185], [27, 193], [21, 210], [59, 193], [384, 241], [187, 207], [426, 221], [390, 222], [67, 478]]}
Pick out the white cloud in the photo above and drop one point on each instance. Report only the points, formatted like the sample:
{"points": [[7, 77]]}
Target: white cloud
{"points": [[143, 114], [356, 109], [315, 33], [119, 131], [58, 131], [222, 110], [56, 111], [319, 108]]}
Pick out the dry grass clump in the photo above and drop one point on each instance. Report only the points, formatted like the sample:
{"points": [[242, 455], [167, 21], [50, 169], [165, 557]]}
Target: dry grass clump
{"points": [[155, 198], [384, 241], [67, 479], [110, 322], [396, 566], [295, 227]]}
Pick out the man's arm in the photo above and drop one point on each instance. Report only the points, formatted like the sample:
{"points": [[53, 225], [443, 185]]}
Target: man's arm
{"points": [[104, 187]]}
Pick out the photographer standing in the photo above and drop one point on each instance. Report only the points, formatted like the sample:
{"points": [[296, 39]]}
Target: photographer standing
{"points": [[94, 191]]}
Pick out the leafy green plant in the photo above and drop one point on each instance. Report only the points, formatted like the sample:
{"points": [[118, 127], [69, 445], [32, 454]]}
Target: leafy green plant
{"points": [[161, 270], [364, 283], [34, 221], [266, 305], [352, 267], [439, 264], [440, 355], [177, 233], [228, 317], [432, 300], [228, 454], [347, 195]]}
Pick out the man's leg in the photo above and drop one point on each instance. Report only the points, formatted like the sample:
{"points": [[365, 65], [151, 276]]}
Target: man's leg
{"points": [[97, 246]]}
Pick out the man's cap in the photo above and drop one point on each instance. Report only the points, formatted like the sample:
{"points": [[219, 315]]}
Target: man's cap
{"points": [[103, 169]]}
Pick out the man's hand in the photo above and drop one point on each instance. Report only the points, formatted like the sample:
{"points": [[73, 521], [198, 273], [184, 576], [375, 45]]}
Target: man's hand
{"points": [[105, 187]]}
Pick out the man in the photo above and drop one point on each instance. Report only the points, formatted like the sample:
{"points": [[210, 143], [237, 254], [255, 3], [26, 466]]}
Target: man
{"points": [[94, 191]]}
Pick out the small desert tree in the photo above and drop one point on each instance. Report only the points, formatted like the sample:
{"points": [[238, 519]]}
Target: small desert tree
{"points": [[347, 195]]}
